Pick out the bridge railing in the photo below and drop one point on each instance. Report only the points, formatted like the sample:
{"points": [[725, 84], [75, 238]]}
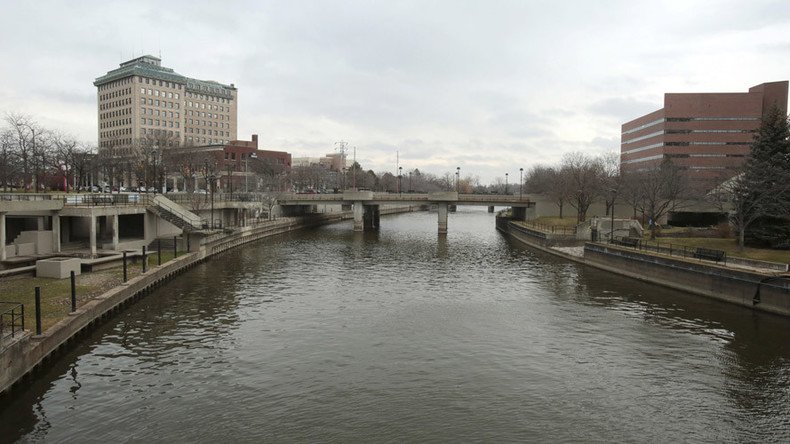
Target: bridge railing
{"points": [[408, 197], [102, 199], [25, 196]]}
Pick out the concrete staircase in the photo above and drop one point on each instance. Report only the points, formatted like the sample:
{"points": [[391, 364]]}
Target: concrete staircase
{"points": [[173, 213]]}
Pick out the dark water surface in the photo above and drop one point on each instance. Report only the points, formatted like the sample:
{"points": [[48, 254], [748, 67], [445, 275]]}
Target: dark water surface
{"points": [[402, 336]]}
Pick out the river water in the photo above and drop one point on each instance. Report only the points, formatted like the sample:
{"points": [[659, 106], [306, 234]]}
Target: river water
{"points": [[403, 336]]}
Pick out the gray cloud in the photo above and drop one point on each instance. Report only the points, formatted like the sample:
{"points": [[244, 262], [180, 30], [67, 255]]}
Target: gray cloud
{"points": [[489, 87]]}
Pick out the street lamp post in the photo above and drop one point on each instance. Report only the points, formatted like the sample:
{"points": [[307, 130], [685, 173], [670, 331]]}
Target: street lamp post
{"points": [[246, 178], [230, 181], [410, 189], [611, 228], [520, 182], [400, 177], [457, 179], [505, 183], [212, 178]]}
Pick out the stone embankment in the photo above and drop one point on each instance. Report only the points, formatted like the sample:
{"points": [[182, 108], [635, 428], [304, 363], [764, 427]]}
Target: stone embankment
{"points": [[764, 288], [28, 351]]}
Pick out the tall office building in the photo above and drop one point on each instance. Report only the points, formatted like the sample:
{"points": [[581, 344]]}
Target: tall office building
{"points": [[707, 135], [143, 100]]}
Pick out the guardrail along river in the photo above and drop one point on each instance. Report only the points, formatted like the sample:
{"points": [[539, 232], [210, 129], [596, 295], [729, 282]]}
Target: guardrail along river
{"points": [[331, 335]]}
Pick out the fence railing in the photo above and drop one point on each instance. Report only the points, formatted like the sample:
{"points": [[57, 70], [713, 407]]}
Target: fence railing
{"points": [[12, 320], [685, 251], [553, 229]]}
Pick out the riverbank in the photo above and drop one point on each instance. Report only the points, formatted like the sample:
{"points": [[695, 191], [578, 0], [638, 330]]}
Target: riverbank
{"points": [[28, 351], [758, 290]]}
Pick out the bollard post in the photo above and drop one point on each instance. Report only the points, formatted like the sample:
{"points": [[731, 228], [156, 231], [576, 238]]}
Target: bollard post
{"points": [[159, 251], [73, 292], [124, 266], [38, 310], [145, 260], [175, 246]]}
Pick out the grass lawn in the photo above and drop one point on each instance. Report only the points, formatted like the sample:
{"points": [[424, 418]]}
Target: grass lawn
{"points": [[56, 293], [728, 245]]}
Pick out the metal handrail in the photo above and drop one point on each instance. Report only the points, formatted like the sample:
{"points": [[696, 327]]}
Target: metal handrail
{"points": [[12, 321], [554, 229], [178, 211]]}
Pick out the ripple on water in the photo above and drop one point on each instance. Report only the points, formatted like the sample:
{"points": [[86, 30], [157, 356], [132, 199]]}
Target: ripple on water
{"points": [[330, 335]]}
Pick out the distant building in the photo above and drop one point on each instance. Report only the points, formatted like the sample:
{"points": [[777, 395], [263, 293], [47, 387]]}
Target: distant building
{"points": [[707, 135], [144, 100], [331, 161], [234, 163]]}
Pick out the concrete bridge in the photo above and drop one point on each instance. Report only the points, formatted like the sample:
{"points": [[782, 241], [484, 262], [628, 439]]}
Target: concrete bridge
{"points": [[366, 204]]}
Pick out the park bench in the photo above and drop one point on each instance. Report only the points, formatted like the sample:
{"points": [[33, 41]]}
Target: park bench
{"points": [[710, 254]]}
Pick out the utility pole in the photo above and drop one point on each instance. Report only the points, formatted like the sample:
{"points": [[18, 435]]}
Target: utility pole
{"points": [[354, 172]]}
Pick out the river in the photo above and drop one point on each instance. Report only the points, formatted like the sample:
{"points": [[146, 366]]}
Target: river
{"points": [[404, 336]]}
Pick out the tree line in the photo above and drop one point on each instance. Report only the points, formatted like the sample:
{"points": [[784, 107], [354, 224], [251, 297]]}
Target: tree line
{"points": [[756, 197], [581, 179]]}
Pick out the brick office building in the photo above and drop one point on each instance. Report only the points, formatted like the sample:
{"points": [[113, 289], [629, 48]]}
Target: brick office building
{"points": [[707, 135], [235, 163]]}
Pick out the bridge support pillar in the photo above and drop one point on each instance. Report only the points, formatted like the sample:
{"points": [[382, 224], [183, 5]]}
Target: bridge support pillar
{"points": [[442, 207], [2, 238], [115, 234], [491, 209], [371, 217], [56, 233], [359, 216], [524, 213], [92, 234]]}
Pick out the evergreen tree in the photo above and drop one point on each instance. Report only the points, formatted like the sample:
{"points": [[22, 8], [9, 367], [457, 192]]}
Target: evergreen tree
{"points": [[766, 180]]}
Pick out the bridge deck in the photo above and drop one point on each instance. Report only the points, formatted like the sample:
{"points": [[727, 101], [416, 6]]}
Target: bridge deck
{"points": [[371, 198]]}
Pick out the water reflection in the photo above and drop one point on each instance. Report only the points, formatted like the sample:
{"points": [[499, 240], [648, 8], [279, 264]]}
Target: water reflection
{"points": [[403, 334]]}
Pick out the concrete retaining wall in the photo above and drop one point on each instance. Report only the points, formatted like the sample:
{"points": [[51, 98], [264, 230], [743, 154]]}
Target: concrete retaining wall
{"points": [[725, 284], [705, 279]]}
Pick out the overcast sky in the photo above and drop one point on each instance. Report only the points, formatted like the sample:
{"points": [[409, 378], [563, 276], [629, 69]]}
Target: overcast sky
{"points": [[488, 86]]}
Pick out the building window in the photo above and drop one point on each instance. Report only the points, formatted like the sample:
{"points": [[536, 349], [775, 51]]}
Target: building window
{"points": [[176, 95]]}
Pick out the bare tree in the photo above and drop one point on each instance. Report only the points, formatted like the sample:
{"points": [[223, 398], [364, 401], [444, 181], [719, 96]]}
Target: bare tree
{"points": [[659, 190], [27, 142], [7, 163], [584, 175], [611, 180]]}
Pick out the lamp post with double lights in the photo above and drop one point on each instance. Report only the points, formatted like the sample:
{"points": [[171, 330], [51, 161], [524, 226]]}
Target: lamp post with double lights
{"points": [[506, 184], [520, 182]]}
